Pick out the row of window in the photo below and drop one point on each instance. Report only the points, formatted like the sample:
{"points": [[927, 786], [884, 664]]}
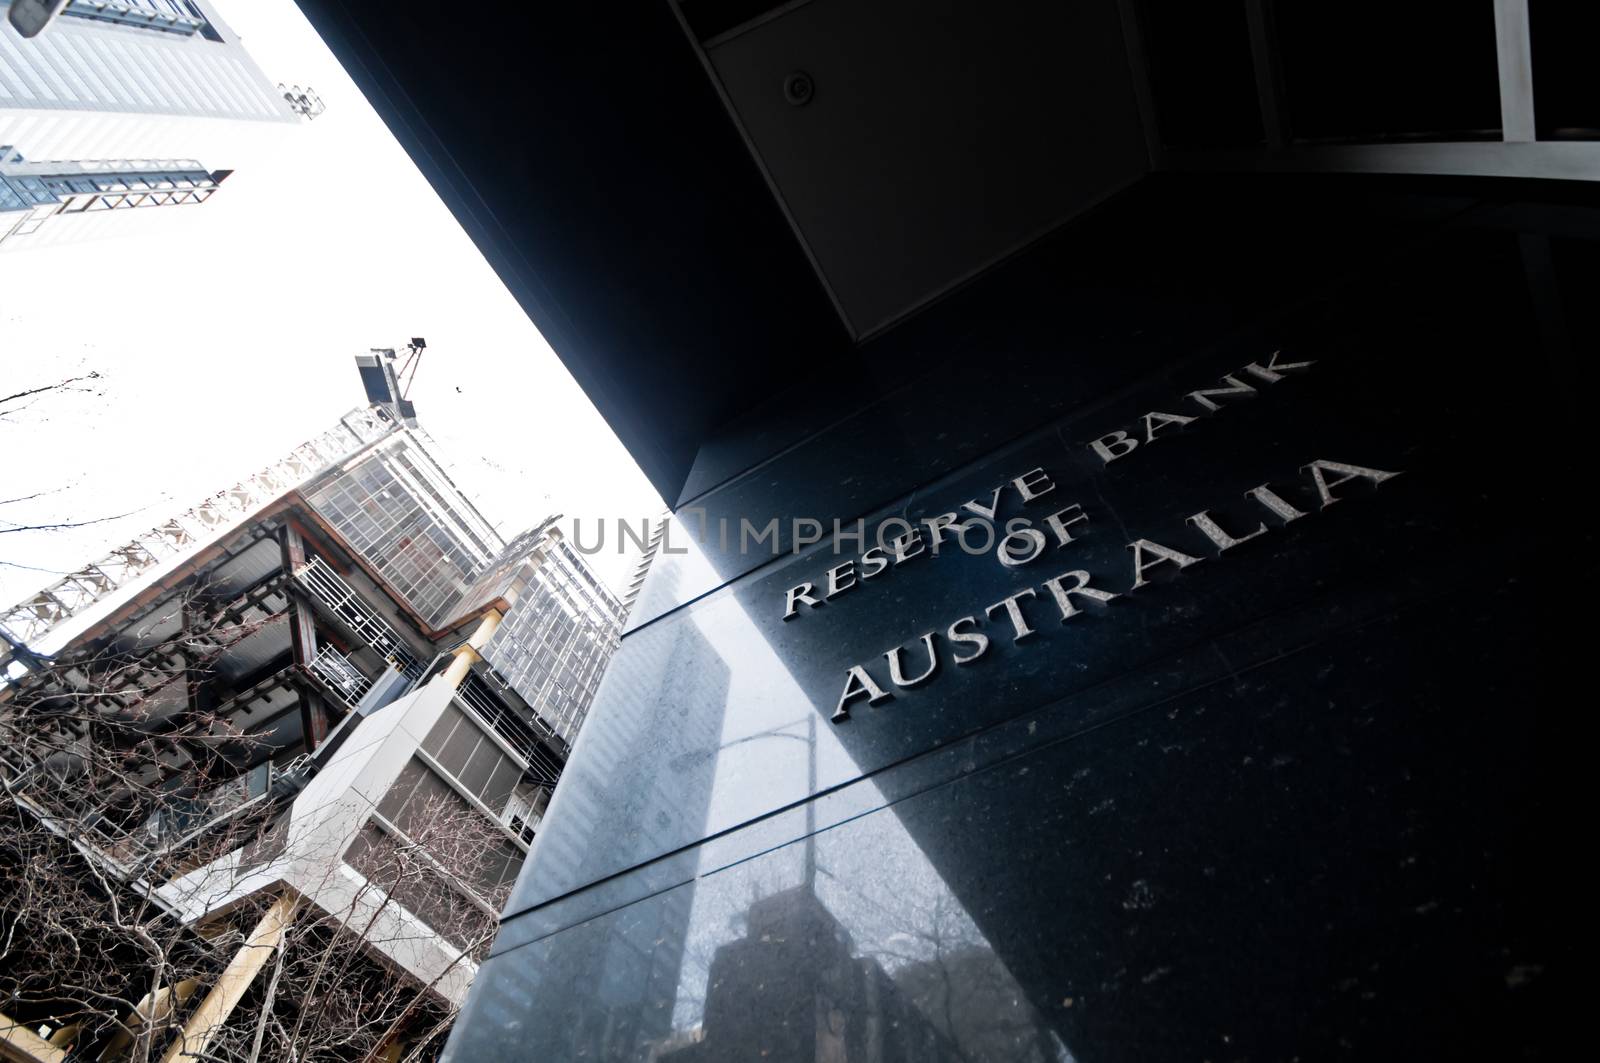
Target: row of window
{"points": [[167, 16], [550, 652], [82, 192], [382, 508]]}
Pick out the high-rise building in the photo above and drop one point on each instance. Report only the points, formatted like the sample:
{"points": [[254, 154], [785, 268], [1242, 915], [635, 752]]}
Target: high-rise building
{"points": [[111, 107], [271, 700]]}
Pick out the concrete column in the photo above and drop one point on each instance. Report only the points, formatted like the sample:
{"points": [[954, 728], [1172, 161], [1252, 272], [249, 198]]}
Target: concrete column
{"points": [[154, 1009], [235, 979], [470, 651], [19, 1042]]}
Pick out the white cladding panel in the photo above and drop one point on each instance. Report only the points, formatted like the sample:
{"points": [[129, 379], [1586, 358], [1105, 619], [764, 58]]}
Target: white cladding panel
{"points": [[79, 65]]}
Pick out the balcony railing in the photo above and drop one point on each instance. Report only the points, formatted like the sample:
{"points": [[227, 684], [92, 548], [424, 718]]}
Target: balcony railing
{"points": [[516, 732], [183, 819], [169, 16], [335, 668], [342, 600]]}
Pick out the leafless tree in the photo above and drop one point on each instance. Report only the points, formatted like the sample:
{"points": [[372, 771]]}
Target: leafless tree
{"points": [[113, 784], [12, 408]]}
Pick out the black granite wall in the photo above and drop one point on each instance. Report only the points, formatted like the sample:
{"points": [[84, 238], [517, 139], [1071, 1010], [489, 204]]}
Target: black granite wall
{"points": [[1296, 784]]}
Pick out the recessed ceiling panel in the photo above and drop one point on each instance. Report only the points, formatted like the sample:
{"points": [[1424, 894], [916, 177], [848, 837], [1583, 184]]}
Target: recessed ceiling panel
{"points": [[914, 142]]}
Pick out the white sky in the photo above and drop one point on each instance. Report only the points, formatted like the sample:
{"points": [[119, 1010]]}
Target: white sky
{"points": [[227, 338]]}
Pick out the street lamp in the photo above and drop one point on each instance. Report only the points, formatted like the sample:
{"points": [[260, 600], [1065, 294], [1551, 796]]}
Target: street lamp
{"points": [[810, 739]]}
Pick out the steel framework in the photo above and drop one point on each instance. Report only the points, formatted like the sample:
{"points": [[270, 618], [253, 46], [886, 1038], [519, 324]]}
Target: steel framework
{"points": [[42, 612]]}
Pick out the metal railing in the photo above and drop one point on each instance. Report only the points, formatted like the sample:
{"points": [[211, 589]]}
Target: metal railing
{"points": [[182, 820], [516, 732], [342, 600], [168, 16], [341, 675]]}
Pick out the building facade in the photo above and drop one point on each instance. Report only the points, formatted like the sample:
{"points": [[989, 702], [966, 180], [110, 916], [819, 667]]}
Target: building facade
{"points": [[117, 88], [1124, 451], [351, 701]]}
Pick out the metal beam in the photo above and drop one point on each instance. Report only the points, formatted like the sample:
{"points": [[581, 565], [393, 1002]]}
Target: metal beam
{"points": [[194, 1041], [1269, 80], [17, 1042], [314, 721], [35, 617], [1566, 160], [1513, 45]]}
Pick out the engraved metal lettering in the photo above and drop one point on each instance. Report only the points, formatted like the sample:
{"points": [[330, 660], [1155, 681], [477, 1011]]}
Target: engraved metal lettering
{"points": [[1214, 531], [1274, 502], [1273, 371], [936, 528], [1346, 474], [1060, 521], [1080, 586], [841, 578], [1155, 421], [857, 683], [1019, 623], [986, 512], [796, 595], [886, 541], [976, 638], [1111, 447], [1031, 543], [897, 676], [902, 547], [873, 557], [1235, 387], [1033, 484], [1162, 554]]}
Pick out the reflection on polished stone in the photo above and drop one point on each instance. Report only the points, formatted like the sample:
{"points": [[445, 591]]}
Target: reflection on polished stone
{"points": [[1290, 795], [839, 947], [1257, 869], [794, 989], [701, 724]]}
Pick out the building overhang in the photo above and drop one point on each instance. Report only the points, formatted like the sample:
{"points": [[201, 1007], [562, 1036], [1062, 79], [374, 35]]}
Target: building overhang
{"points": [[702, 203]]}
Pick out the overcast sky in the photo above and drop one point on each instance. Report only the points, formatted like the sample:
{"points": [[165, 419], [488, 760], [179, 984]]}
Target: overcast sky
{"points": [[225, 340]]}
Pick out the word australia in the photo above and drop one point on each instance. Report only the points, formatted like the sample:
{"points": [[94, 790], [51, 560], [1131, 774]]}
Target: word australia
{"points": [[1062, 598]]}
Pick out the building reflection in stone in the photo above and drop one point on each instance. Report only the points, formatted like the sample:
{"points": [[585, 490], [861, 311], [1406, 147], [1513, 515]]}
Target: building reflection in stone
{"points": [[843, 945], [797, 986]]}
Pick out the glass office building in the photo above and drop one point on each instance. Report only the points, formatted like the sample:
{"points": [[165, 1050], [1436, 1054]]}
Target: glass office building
{"points": [[398, 508], [558, 638]]}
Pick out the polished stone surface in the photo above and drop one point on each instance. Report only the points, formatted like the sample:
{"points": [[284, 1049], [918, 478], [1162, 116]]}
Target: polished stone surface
{"points": [[1269, 867], [1081, 318], [1303, 797], [1383, 392]]}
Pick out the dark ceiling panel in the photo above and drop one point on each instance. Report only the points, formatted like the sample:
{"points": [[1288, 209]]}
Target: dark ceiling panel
{"points": [[938, 136]]}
